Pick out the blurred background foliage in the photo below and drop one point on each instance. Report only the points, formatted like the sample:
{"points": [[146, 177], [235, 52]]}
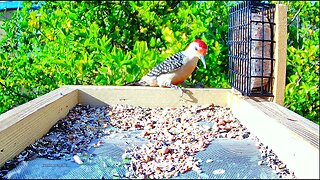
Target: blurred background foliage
{"points": [[114, 42]]}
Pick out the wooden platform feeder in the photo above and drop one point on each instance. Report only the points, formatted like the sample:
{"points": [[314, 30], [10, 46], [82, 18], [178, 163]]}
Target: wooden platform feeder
{"points": [[292, 137]]}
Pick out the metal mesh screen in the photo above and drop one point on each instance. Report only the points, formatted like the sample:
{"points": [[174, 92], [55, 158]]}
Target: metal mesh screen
{"points": [[231, 159], [95, 143], [250, 45]]}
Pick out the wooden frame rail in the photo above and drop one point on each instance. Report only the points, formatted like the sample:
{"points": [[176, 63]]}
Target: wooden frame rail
{"points": [[293, 138]]}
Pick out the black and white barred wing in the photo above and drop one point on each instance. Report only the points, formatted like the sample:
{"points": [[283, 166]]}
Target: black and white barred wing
{"points": [[170, 64]]}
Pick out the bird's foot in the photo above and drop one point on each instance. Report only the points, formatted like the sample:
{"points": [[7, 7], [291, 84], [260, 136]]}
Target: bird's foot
{"points": [[178, 88], [181, 91], [167, 84]]}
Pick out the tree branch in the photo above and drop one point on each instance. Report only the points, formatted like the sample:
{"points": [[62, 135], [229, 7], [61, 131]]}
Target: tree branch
{"points": [[295, 16], [15, 93]]}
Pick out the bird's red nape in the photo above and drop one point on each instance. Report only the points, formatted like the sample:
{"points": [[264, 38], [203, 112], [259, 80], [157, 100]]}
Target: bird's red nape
{"points": [[201, 43]]}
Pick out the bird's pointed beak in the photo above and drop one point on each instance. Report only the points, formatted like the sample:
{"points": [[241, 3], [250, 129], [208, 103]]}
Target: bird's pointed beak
{"points": [[203, 61], [201, 54]]}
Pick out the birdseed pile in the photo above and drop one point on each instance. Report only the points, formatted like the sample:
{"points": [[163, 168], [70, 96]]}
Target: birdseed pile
{"points": [[123, 141]]}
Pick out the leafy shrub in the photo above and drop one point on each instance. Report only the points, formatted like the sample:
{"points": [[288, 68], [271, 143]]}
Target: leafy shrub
{"points": [[113, 42], [104, 43], [302, 84]]}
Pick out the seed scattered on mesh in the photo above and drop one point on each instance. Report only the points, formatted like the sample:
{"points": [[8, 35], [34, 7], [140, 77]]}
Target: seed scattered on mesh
{"points": [[219, 171], [269, 158], [174, 136], [209, 160], [77, 159], [71, 137]]}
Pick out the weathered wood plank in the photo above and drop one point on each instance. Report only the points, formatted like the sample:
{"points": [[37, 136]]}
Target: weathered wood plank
{"points": [[293, 138], [26, 123], [280, 53], [151, 96]]}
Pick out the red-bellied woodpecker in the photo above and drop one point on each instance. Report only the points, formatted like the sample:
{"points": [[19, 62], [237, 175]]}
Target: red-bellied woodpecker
{"points": [[177, 68]]}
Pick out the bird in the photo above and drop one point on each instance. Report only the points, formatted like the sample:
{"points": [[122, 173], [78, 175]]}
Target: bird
{"points": [[175, 69]]}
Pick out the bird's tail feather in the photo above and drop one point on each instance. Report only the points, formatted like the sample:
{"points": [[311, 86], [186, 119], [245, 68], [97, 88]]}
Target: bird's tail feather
{"points": [[136, 83]]}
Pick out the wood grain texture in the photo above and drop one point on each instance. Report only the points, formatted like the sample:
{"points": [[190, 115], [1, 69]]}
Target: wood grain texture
{"points": [[151, 96], [26, 123], [280, 53], [293, 138]]}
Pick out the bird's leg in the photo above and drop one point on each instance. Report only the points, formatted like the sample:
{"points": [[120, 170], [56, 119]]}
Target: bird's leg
{"points": [[168, 84], [177, 87]]}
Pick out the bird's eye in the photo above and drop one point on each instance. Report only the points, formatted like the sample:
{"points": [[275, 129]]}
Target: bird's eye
{"points": [[196, 48]]}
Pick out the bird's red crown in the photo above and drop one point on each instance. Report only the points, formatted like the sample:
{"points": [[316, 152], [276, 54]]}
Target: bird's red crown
{"points": [[201, 43]]}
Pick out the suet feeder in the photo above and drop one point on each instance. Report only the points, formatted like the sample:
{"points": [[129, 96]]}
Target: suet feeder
{"points": [[251, 48]]}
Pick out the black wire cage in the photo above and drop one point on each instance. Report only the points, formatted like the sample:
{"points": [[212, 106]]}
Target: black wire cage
{"points": [[250, 42]]}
